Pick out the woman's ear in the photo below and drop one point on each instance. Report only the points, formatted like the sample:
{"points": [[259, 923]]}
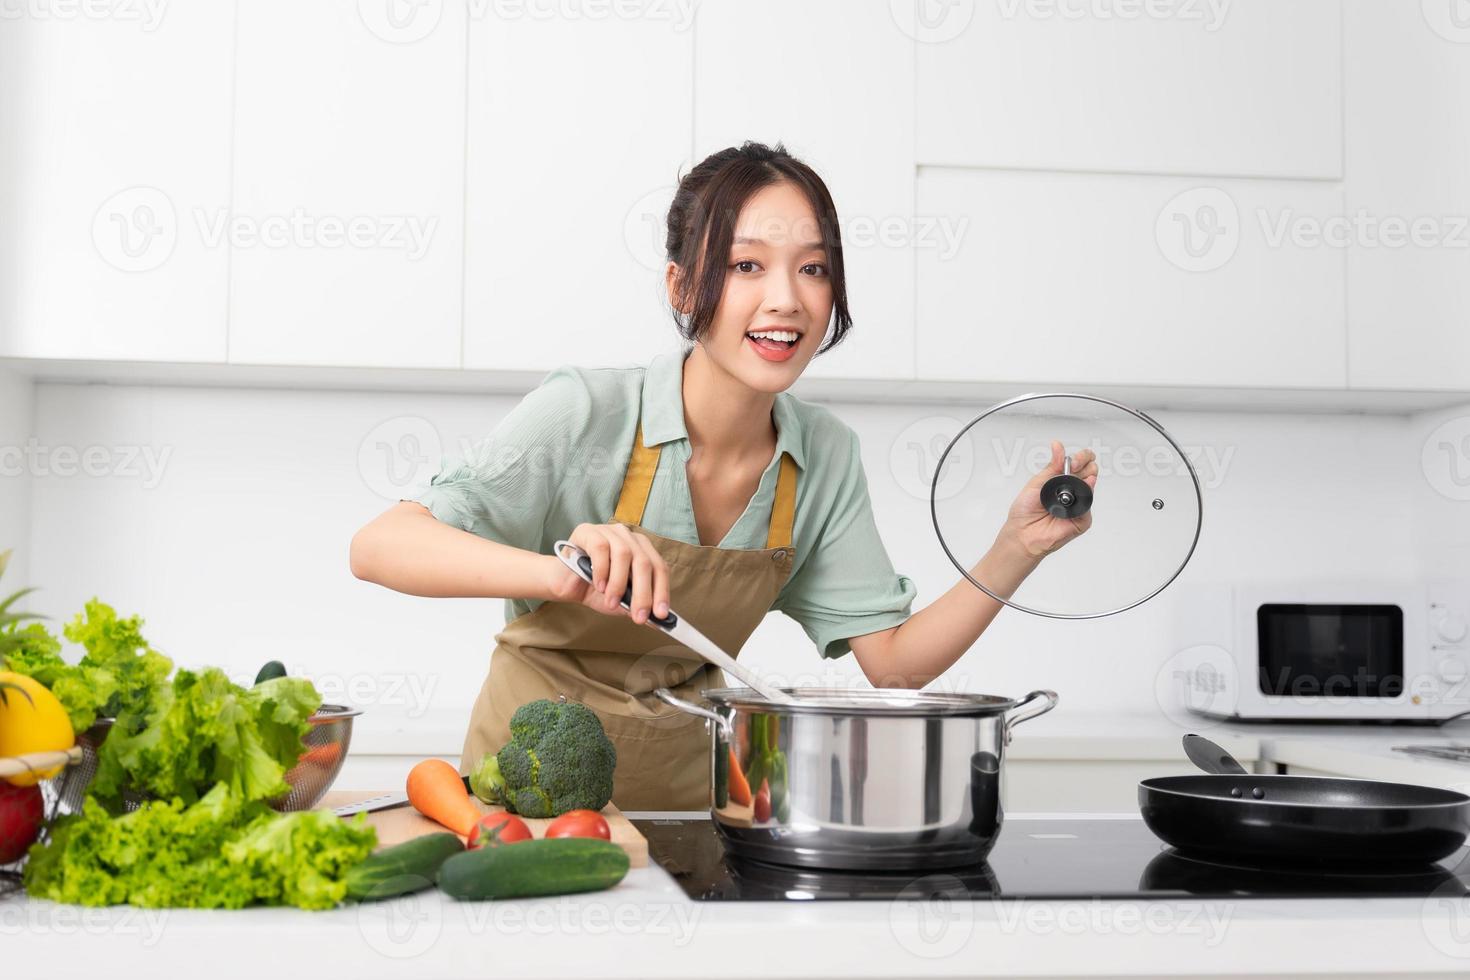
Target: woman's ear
{"points": [[671, 281]]}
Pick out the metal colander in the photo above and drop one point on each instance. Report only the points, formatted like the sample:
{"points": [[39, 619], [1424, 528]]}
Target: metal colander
{"points": [[324, 748]]}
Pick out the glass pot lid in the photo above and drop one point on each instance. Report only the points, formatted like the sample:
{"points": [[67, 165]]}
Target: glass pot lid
{"points": [[1133, 512]]}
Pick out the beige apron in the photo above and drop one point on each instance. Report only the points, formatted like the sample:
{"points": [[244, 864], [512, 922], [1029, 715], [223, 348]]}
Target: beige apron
{"points": [[612, 665]]}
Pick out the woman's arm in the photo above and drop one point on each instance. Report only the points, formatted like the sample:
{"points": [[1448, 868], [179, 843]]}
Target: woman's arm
{"points": [[408, 549], [929, 642]]}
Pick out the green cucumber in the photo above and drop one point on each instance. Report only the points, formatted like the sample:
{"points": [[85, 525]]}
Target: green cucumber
{"points": [[408, 867], [271, 670], [558, 866]]}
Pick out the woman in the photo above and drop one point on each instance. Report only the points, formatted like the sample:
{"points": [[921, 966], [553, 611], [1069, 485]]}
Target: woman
{"points": [[697, 480]]}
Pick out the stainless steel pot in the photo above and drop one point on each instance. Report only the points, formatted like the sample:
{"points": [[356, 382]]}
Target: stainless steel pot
{"points": [[862, 779]]}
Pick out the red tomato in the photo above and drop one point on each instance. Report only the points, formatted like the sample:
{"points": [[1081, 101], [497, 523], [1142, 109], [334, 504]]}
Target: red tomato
{"points": [[498, 828], [579, 823], [763, 802], [21, 812]]}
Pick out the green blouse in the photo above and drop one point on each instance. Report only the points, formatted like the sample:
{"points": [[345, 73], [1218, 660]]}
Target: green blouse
{"points": [[558, 457]]}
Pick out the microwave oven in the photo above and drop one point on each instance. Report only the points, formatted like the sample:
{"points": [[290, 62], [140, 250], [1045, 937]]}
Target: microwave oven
{"points": [[1322, 652]]}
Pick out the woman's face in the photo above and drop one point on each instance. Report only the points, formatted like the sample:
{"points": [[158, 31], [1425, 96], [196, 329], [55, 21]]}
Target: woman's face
{"points": [[778, 280]]}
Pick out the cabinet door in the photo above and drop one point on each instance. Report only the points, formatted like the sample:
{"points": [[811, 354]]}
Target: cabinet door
{"points": [[116, 123], [1408, 191], [1084, 278], [1246, 88], [833, 81], [347, 224], [579, 122]]}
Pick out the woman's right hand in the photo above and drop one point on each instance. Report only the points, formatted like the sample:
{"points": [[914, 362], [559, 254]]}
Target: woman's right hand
{"points": [[619, 557]]}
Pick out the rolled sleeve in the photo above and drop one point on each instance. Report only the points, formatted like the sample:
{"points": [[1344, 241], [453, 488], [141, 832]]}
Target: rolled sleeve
{"points": [[847, 587], [505, 487]]}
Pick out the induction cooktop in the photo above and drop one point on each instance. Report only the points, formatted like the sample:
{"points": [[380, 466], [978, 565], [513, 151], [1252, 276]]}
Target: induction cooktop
{"points": [[1041, 858]]}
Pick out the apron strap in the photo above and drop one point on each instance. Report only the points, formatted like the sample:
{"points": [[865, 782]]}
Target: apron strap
{"points": [[783, 508], [638, 481]]}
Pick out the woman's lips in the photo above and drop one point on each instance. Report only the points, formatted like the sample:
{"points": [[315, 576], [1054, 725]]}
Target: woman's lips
{"points": [[772, 352]]}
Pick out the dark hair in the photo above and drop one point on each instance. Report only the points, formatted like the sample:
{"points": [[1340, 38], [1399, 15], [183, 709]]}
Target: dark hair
{"points": [[706, 207]]}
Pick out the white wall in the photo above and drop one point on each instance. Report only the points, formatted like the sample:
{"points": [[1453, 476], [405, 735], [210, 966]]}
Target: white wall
{"points": [[16, 393], [236, 549]]}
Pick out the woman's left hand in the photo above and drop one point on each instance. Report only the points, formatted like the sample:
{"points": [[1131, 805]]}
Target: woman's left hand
{"points": [[1033, 531]]}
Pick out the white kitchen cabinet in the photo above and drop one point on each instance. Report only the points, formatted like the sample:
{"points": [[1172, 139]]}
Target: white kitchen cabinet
{"points": [[1117, 279], [578, 126], [1407, 74], [116, 137], [346, 227], [1244, 88], [834, 82]]}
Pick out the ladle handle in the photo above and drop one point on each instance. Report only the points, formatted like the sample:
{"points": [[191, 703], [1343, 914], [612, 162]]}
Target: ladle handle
{"points": [[1211, 758]]}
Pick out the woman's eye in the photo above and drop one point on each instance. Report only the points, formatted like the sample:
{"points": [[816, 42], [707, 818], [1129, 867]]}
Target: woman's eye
{"points": [[744, 262], [815, 265]]}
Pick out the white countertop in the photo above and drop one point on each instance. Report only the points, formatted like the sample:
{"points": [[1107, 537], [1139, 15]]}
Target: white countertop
{"points": [[646, 928]]}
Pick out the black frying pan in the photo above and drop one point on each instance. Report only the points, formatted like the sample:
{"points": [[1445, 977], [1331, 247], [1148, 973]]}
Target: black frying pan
{"points": [[1297, 819]]}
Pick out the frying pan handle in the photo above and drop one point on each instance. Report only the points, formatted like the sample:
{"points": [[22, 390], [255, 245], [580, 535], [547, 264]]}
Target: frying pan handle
{"points": [[1033, 704], [689, 708]]}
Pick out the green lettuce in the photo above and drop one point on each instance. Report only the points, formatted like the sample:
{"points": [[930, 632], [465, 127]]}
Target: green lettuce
{"points": [[219, 852], [204, 730]]}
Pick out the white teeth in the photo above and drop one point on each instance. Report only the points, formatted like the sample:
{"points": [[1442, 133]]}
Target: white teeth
{"points": [[789, 336]]}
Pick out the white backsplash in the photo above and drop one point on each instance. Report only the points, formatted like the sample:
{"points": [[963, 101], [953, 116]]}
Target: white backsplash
{"points": [[225, 514]]}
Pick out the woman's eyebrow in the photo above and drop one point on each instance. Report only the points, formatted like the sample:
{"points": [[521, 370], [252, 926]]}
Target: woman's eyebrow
{"points": [[741, 240]]}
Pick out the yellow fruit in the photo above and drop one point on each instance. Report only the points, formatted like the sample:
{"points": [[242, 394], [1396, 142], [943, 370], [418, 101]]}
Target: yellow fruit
{"points": [[36, 725]]}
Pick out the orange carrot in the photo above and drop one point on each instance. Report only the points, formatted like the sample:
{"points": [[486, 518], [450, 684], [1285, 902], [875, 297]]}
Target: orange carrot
{"points": [[739, 787], [436, 791]]}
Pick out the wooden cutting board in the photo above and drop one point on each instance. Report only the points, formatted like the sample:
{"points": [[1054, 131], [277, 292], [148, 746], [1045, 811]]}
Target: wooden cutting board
{"points": [[405, 823]]}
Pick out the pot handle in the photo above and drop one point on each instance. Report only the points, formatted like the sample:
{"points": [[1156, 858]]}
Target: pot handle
{"points": [[667, 697], [1040, 703]]}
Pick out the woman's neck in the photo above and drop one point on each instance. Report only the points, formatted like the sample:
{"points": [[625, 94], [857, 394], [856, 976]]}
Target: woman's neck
{"points": [[724, 416]]}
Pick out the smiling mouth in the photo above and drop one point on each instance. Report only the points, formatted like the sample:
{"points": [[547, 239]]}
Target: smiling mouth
{"points": [[774, 345]]}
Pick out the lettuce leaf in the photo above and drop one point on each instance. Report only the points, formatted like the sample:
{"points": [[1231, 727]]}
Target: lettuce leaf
{"points": [[219, 852], [203, 730]]}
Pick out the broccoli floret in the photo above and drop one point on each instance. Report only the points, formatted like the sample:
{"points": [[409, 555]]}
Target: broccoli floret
{"points": [[558, 759]]}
